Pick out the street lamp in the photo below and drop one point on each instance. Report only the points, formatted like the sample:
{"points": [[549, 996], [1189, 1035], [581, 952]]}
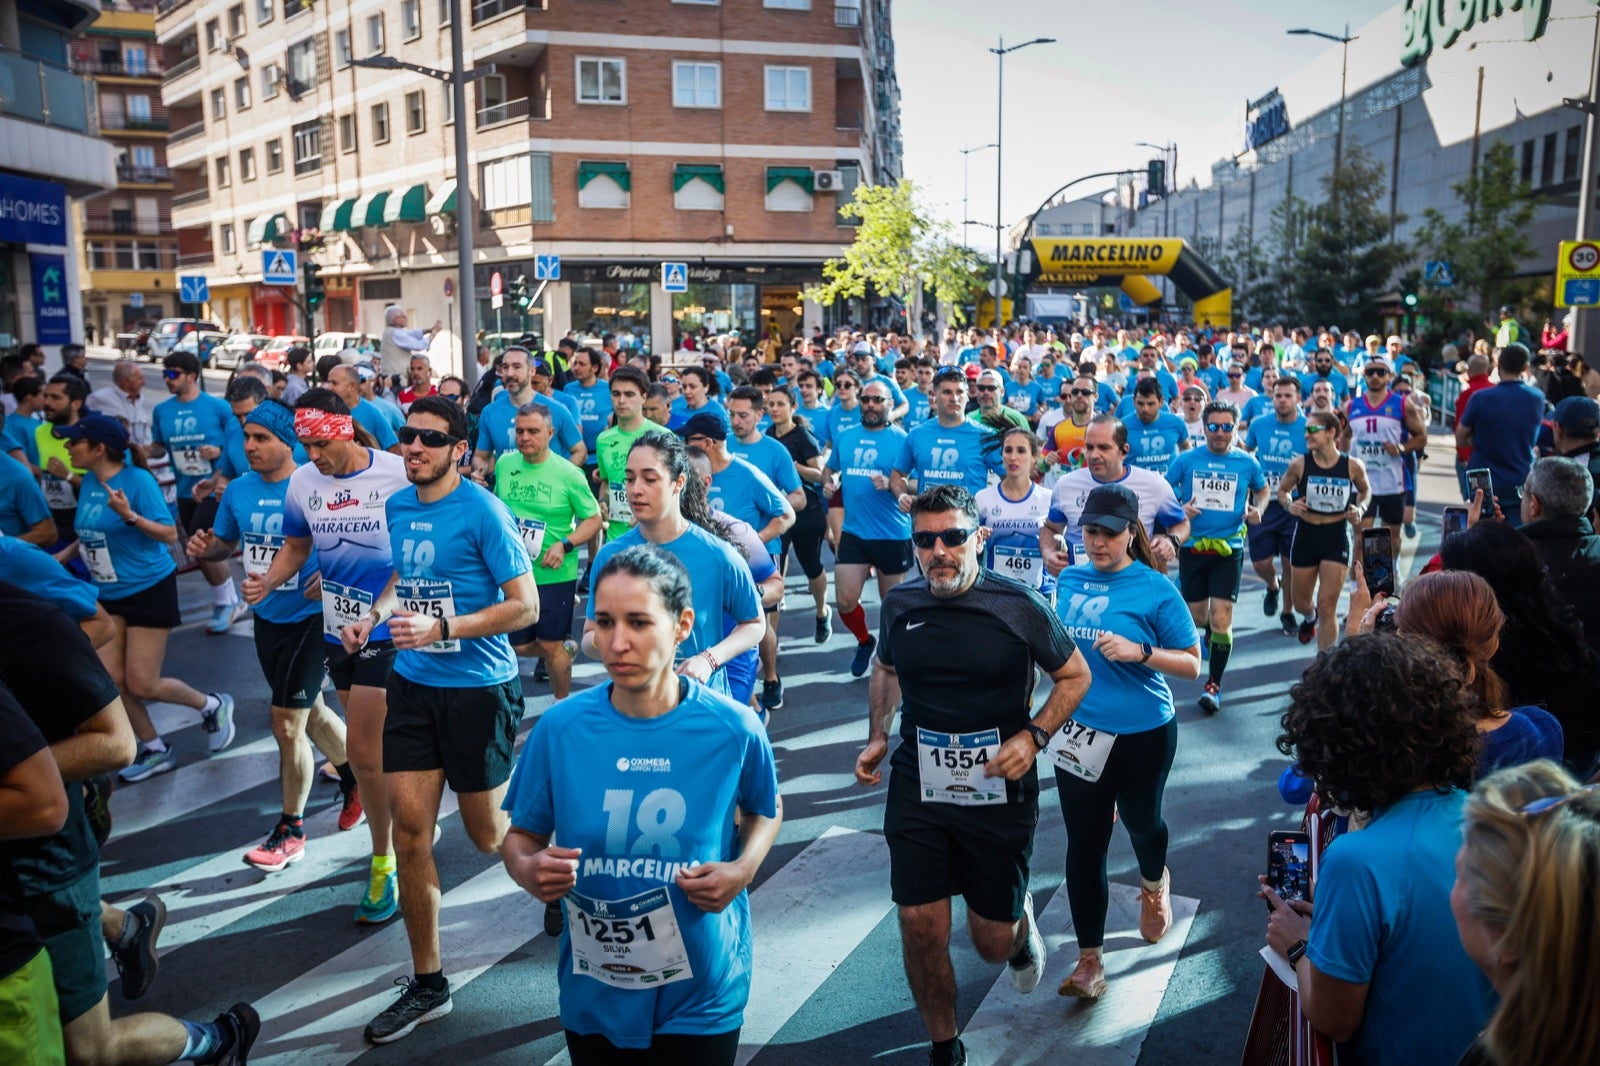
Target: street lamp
{"points": [[1344, 69], [1000, 53], [964, 153], [457, 78], [1169, 154]]}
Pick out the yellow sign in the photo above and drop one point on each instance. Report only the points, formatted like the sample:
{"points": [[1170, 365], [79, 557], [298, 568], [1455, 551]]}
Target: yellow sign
{"points": [[1092, 257], [1578, 274]]}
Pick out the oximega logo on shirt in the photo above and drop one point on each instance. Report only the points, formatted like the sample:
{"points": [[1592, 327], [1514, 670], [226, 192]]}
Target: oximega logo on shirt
{"points": [[650, 765]]}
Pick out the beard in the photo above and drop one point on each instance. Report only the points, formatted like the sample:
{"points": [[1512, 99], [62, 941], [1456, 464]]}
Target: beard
{"points": [[874, 417], [949, 582]]}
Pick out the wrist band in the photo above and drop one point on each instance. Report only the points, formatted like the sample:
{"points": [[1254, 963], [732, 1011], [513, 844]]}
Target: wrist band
{"points": [[712, 660], [444, 629]]}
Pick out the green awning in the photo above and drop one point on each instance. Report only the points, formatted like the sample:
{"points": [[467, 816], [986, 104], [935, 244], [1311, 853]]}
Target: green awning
{"points": [[369, 210], [684, 173], [617, 172], [268, 227], [443, 202], [406, 204], [336, 216], [801, 176]]}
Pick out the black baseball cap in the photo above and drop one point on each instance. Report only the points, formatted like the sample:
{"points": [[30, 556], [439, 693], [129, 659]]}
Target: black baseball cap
{"points": [[704, 424], [1112, 507], [96, 429]]}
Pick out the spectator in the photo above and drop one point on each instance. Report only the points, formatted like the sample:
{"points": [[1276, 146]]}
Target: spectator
{"points": [[297, 360], [1524, 903], [1557, 504], [75, 361], [1575, 428], [398, 342], [1543, 657], [1500, 425], [1381, 969]]}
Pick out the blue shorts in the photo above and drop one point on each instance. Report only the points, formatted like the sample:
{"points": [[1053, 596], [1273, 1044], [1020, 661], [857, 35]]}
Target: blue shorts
{"points": [[1271, 537]]}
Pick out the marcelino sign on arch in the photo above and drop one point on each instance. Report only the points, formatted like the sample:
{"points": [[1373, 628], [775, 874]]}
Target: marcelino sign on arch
{"points": [[1429, 24]]}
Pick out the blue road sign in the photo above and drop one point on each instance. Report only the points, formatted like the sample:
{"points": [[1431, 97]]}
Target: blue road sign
{"points": [[1439, 273], [675, 277], [547, 268], [1125, 301], [1581, 292], [280, 266], [193, 289], [135, 299]]}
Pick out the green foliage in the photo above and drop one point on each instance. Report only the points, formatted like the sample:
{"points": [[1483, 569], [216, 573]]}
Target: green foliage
{"points": [[1345, 258]]}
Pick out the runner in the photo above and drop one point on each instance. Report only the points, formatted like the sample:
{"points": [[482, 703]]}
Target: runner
{"points": [[1105, 447], [843, 414], [681, 997], [1222, 491], [1113, 755], [952, 828], [497, 433], [555, 511], [462, 580], [1325, 489], [24, 513], [1013, 512], [346, 382], [810, 527], [1381, 428], [1155, 434], [1062, 427], [335, 506], [629, 387], [1191, 406], [288, 632], [1275, 442], [946, 450]]}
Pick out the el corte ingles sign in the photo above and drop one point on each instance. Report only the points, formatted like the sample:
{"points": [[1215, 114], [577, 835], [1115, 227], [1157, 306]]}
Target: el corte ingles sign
{"points": [[1429, 24]]}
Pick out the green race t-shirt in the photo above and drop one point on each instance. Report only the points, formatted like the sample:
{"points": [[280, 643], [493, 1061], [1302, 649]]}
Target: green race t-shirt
{"points": [[554, 493], [611, 456]]}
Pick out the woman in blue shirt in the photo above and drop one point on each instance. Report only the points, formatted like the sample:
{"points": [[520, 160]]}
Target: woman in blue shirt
{"points": [[1115, 752], [657, 951], [124, 533]]}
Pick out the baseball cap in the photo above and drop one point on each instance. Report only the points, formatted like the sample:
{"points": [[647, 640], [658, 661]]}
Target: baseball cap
{"points": [[97, 429], [991, 377], [365, 372], [973, 370], [1113, 507], [861, 349], [1578, 415], [704, 424]]}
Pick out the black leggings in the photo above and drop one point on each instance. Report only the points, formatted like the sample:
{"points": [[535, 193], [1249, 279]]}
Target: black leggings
{"points": [[666, 1049], [805, 537], [1132, 784]]}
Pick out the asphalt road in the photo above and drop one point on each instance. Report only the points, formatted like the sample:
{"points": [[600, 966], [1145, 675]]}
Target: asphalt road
{"points": [[829, 980]]}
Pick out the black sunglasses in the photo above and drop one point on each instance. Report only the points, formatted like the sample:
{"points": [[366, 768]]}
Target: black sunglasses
{"points": [[953, 538], [986, 388], [873, 399], [430, 438]]}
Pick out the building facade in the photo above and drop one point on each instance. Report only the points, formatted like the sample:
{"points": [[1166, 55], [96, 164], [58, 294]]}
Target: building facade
{"points": [[617, 135]]}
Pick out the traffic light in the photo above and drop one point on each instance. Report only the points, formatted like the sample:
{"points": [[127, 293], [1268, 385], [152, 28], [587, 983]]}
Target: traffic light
{"points": [[316, 290], [1411, 299], [519, 292], [1155, 177]]}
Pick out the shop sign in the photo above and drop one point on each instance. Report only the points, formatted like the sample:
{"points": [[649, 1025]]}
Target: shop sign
{"points": [[52, 318], [1265, 120], [1429, 24], [32, 212], [648, 273]]}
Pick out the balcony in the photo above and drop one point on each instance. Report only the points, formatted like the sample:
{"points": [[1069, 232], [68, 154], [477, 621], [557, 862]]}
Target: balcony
{"points": [[195, 258], [167, 7], [193, 196], [132, 175], [193, 129], [187, 65], [123, 123], [150, 68], [485, 10], [510, 111], [847, 118], [132, 257], [41, 92]]}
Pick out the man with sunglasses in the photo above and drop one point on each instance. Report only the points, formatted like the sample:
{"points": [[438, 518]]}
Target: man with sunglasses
{"points": [[948, 450], [992, 413], [865, 365], [1383, 427], [461, 581], [1323, 369], [963, 787], [1222, 490], [1062, 429]]}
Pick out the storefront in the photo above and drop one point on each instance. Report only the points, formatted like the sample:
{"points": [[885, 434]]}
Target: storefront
{"points": [[273, 311], [37, 301]]}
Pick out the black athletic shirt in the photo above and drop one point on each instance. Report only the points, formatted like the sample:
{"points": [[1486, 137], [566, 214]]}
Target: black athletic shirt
{"points": [[20, 740], [803, 446], [966, 663]]}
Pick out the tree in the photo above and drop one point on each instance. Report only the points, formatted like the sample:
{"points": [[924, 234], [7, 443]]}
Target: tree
{"points": [[1346, 257], [899, 250]]}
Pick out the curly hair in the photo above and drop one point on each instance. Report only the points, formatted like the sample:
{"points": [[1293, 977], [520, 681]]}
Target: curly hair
{"points": [[1381, 715]]}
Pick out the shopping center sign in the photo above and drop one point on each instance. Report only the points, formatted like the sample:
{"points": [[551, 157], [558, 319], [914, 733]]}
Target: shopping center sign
{"points": [[1429, 24]]}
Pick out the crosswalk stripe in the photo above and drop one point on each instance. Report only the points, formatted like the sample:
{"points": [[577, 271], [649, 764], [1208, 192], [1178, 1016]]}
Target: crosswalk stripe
{"points": [[166, 797], [1021, 1030]]}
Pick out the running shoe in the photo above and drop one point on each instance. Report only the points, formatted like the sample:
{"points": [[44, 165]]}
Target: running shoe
{"points": [[1290, 627], [136, 960], [541, 672], [1211, 698], [241, 1025], [1410, 530], [351, 814], [1087, 981], [222, 618], [863, 660], [381, 901], [554, 919], [772, 694], [1307, 631], [1025, 975], [956, 1056], [415, 1006], [219, 723], [1155, 908], [824, 626], [148, 764], [1269, 605], [97, 804], [281, 849]]}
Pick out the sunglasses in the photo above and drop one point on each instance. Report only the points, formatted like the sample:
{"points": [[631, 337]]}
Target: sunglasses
{"points": [[1376, 371], [873, 399], [430, 438], [1236, 375], [1219, 427], [1076, 392], [841, 386], [1550, 803], [952, 538], [172, 375], [987, 388]]}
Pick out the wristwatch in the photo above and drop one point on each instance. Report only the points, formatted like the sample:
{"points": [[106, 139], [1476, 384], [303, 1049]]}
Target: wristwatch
{"points": [[1148, 651], [566, 545], [1040, 737], [1297, 951]]}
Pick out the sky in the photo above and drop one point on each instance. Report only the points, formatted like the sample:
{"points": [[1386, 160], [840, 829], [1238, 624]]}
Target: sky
{"points": [[1163, 71]]}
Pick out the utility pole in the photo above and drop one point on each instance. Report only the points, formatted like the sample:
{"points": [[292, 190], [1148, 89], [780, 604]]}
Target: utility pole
{"points": [[1000, 53], [1584, 324]]}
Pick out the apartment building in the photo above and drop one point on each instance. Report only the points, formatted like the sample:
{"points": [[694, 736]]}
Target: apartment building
{"points": [[615, 134], [128, 251], [53, 156]]}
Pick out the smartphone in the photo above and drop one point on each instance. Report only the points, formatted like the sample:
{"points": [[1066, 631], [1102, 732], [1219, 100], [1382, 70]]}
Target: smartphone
{"points": [[1289, 864], [1455, 521], [1377, 560], [1479, 479]]}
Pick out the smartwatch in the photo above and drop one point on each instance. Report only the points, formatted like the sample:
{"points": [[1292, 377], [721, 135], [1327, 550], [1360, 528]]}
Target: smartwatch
{"points": [[1148, 651], [566, 545], [1297, 951], [1040, 737]]}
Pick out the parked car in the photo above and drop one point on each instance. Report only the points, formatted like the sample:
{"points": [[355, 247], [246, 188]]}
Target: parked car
{"points": [[169, 331], [271, 356], [203, 344], [241, 348], [333, 343]]}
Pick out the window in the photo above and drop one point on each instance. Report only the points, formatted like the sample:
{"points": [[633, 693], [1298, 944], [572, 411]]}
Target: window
{"points": [[274, 155], [307, 146], [225, 239], [788, 88], [347, 132], [143, 156], [449, 106], [214, 36], [697, 85], [1527, 161], [790, 188], [374, 34], [271, 77], [788, 5], [543, 206], [241, 93], [138, 107], [247, 164], [444, 12], [380, 123], [1569, 164], [223, 172], [602, 81], [604, 184], [236, 21], [291, 8], [302, 59], [135, 60], [263, 12], [1547, 161], [310, 214], [505, 183], [341, 49], [416, 112], [491, 100], [219, 104], [1043, 229], [850, 177], [697, 187], [411, 19]]}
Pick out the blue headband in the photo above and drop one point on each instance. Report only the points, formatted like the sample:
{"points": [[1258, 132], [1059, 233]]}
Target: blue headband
{"points": [[275, 418]]}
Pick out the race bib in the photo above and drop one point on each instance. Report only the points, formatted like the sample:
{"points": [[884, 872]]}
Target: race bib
{"points": [[532, 531], [1371, 449], [59, 494], [260, 549], [951, 767], [617, 503], [96, 552], [1081, 750], [342, 606], [1273, 481], [431, 598], [1327, 495], [631, 943], [190, 463], [169, 493], [1212, 491], [1024, 564]]}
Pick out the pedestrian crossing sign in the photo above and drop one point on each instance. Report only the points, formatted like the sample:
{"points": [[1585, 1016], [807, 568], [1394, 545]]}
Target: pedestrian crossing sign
{"points": [[279, 266], [675, 277]]}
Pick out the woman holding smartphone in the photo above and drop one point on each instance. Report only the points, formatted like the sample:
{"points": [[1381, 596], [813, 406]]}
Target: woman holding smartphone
{"points": [[1114, 754], [1326, 490]]}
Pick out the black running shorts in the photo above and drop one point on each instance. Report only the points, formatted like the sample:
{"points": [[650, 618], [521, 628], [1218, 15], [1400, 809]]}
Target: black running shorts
{"points": [[466, 732], [292, 660]]}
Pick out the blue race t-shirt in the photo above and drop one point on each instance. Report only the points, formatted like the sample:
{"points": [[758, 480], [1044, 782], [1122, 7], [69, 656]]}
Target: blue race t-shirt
{"points": [[374, 420], [18, 435], [918, 409], [1339, 383], [1221, 486], [836, 421], [1154, 445], [861, 453], [1143, 606], [31, 567], [251, 515], [936, 455], [594, 410], [183, 427], [769, 456], [123, 561], [497, 426], [1027, 399], [1275, 445], [749, 495], [22, 503], [452, 557]]}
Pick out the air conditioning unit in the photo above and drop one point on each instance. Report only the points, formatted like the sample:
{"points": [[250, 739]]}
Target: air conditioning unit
{"points": [[828, 180]]}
